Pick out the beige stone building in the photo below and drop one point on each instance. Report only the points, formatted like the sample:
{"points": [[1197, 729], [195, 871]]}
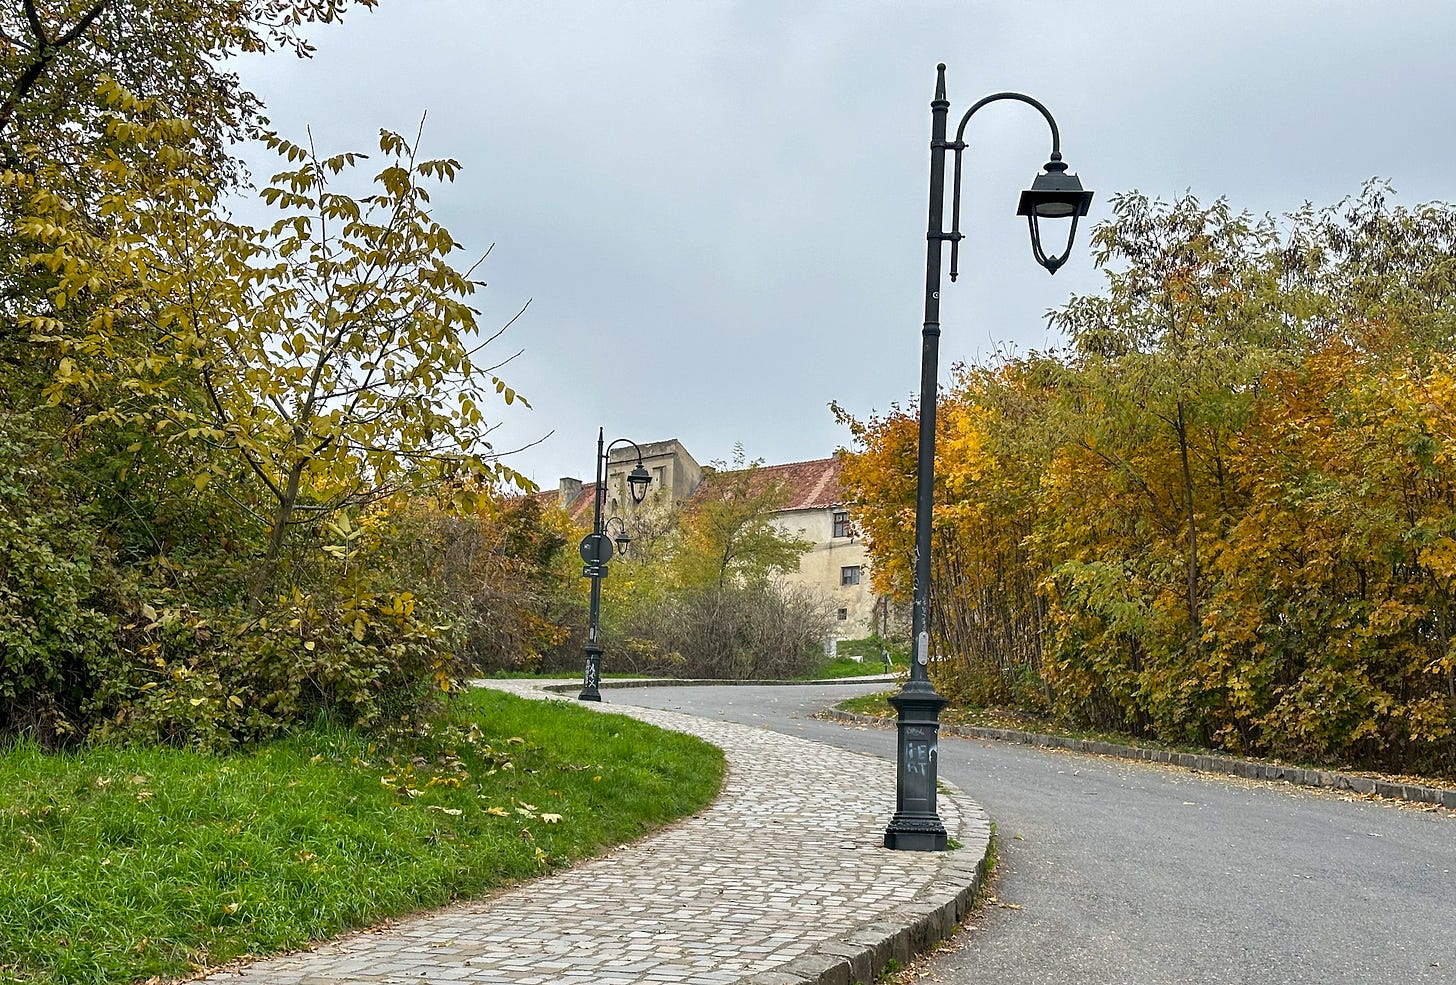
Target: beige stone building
{"points": [[676, 476], [837, 565]]}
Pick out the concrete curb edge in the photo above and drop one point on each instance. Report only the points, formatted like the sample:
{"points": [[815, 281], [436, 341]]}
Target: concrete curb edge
{"points": [[1195, 761], [624, 682]]}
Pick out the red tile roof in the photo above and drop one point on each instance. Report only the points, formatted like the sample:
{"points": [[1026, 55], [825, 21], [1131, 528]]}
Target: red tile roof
{"points": [[806, 485], [579, 509]]}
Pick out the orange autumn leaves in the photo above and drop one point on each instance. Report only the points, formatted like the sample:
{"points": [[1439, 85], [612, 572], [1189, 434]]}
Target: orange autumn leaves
{"points": [[1223, 513]]}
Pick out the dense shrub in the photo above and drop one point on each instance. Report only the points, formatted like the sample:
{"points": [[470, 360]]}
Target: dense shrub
{"points": [[53, 627], [1225, 514], [757, 630], [182, 679], [497, 571], [389, 610]]}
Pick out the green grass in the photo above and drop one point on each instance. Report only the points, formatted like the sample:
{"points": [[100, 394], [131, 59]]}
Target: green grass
{"points": [[550, 675], [842, 667], [878, 704], [121, 864], [868, 650], [869, 704]]}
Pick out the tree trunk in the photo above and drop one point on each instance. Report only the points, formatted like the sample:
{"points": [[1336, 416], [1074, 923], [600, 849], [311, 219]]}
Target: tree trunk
{"points": [[1194, 622], [268, 569]]}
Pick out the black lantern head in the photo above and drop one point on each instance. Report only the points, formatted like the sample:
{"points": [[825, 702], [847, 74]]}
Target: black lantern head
{"points": [[638, 480], [1054, 194], [622, 540]]}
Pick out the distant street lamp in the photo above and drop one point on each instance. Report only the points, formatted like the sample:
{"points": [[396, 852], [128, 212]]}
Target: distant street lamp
{"points": [[1054, 194], [596, 551]]}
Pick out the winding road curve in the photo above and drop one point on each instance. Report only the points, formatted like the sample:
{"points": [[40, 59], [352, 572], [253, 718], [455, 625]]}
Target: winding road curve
{"points": [[1121, 873]]}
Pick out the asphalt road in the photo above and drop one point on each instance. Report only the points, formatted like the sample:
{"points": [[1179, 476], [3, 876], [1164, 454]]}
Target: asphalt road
{"points": [[1121, 873]]}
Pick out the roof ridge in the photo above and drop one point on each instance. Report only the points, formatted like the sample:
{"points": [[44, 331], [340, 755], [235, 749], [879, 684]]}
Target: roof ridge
{"points": [[779, 465], [813, 497]]}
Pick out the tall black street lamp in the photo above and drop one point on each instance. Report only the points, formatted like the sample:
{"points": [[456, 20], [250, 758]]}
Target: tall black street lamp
{"points": [[1054, 194], [596, 551]]}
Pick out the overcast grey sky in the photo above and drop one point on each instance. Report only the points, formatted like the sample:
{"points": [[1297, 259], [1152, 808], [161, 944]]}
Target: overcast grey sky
{"points": [[718, 209]]}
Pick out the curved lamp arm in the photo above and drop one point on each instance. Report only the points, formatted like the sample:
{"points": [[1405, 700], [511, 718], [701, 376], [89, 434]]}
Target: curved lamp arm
{"points": [[1020, 97], [607, 454], [638, 479], [1051, 263], [622, 538]]}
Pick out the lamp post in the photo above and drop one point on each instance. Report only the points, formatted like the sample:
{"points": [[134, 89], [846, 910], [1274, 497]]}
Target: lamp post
{"points": [[1054, 194], [596, 551]]}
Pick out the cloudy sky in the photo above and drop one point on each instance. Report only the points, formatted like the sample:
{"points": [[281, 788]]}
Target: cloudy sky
{"points": [[717, 210]]}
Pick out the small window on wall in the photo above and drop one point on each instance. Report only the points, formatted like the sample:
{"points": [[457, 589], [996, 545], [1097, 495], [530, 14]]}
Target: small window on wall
{"points": [[849, 576], [843, 615], [842, 526]]}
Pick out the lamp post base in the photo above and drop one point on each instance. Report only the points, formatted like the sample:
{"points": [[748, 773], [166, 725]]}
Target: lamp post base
{"points": [[593, 678], [915, 826], [913, 834]]}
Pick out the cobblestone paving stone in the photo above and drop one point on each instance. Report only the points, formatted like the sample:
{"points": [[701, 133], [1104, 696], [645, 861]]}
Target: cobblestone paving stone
{"points": [[785, 864]]}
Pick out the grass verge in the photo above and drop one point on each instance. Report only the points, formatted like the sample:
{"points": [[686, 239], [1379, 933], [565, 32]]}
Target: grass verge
{"points": [[844, 667], [879, 705], [117, 865], [869, 651]]}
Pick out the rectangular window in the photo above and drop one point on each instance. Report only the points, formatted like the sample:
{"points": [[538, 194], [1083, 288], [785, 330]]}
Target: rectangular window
{"points": [[843, 615], [849, 576], [842, 526]]}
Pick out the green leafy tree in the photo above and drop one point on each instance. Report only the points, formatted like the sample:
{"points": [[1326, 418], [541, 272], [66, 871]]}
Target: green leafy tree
{"points": [[55, 56], [61, 63], [205, 544], [1167, 354], [726, 533], [324, 359]]}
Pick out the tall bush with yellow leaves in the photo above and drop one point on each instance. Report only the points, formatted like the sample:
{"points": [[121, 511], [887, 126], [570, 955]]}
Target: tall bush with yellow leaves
{"points": [[1223, 514]]}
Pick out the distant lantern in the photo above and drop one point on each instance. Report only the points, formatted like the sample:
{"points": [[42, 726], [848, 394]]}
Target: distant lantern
{"points": [[639, 480]]}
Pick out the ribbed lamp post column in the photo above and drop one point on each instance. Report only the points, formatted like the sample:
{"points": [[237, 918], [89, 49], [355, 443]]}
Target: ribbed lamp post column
{"points": [[1054, 194]]}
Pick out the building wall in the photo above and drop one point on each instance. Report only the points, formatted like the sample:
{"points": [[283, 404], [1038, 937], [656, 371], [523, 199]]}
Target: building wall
{"points": [[822, 568], [675, 474]]}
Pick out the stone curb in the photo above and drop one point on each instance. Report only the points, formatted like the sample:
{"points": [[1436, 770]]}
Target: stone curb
{"points": [[1248, 769], [860, 957], [620, 682]]}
